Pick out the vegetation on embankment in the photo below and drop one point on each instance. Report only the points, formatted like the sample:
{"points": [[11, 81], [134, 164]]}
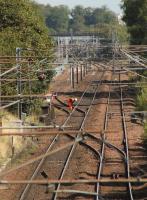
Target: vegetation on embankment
{"points": [[22, 25], [141, 100], [9, 145], [135, 16]]}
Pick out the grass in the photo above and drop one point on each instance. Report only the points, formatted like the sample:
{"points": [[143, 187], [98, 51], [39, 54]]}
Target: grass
{"points": [[23, 155], [142, 100], [23, 148]]}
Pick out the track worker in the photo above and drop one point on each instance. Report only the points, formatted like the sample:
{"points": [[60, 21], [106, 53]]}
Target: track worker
{"points": [[71, 103]]}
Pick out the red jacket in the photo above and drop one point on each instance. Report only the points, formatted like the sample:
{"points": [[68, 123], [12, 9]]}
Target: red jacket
{"points": [[70, 103]]}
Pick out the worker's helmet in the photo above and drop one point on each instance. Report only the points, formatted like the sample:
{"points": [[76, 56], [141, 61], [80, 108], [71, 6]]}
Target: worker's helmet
{"points": [[75, 99]]}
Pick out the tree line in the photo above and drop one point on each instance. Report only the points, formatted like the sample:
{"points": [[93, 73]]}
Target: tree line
{"points": [[25, 23], [22, 25], [79, 19], [60, 19], [135, 16]]}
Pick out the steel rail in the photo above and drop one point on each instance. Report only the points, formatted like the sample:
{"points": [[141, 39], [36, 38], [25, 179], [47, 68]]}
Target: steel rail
{"points": [[66, 121], [31, 161], [133, 72], [86, 145], [126, 143], [125, 140], [74, 146], [27, 187], [74, 192], [34, 175], [108, 144], [137, 60], [125, 154], [103, 146], [25, 191], [100, 140]]}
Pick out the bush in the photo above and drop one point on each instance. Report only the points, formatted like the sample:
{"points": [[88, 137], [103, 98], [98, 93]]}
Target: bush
{"points": [[142, 100], [22, 25]]}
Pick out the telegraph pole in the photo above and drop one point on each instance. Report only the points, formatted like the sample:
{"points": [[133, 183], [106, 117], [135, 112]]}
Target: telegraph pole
{"points": [[19, 83], [113, 47], [81, 72], [77, 73], [73, 78]]}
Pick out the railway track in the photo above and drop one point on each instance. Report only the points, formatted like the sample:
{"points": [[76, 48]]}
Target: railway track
{"points": [[114, 161], [84, 104], [104, 155], [110, 154]]}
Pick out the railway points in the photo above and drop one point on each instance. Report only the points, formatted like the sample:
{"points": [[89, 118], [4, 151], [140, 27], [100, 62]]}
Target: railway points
{"points": [[88, 150]]}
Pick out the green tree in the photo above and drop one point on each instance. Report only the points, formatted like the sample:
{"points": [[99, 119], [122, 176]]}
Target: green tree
{"points": [[88, 15], [77, 22], [45, 10], [22, 25], [104, 16], [135, 16], [58, 18]]}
